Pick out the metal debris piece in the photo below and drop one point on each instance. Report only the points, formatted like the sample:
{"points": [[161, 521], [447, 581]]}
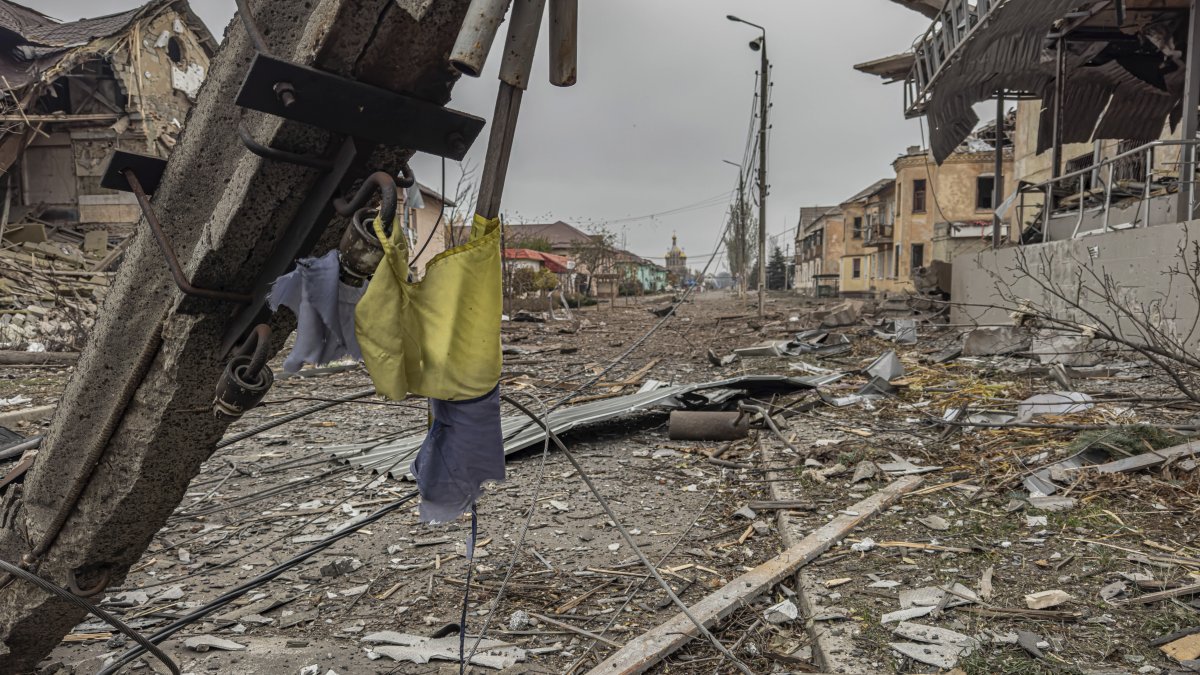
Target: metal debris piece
{"points": [[1058, 403], [784, 612], [936, 523], [417, 649], [939, 656], [887, 366], [934, 635], [395, 458], [203, 643]]}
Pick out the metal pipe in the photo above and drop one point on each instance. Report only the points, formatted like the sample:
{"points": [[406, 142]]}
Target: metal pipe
{"points": [[564, 42], [1046, 211], [477, 34], [1146, 186], [256, 346], [1189, 123], [20, 448], [998, 180], [521, 42], [1108, 195], [255, 35], [687, 425], [168, 252], [1079, 220], [1020, 222], [1060, 68]]}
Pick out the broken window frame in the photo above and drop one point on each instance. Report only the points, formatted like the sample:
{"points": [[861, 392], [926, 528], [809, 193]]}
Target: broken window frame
{"points": [[917, 256], [919, 189], [857, 229], [856, 268], [985, 185]]}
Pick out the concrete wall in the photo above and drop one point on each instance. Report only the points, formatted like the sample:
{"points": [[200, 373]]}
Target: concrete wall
{"points": [[1139, 261]]}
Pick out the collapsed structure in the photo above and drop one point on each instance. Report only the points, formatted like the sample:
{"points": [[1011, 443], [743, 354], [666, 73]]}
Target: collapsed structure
{"points": [[1104, 150], [74, 92]]}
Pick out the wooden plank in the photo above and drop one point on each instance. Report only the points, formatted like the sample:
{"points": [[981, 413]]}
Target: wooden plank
{"points": [[96, 117], [1148, 459], [1184, 649], [1193, 589], [13, 358], [642, 653]]}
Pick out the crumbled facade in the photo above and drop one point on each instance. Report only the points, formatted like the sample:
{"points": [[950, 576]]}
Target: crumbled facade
{"points": [[75, 92]]}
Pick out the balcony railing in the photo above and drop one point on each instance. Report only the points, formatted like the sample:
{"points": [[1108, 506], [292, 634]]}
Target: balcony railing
{"points": [[1091, 189], [878, 234], [937, 47]]}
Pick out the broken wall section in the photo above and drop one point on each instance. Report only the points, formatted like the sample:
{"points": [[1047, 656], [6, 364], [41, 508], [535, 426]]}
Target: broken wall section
{"points": [[1140, 265]]}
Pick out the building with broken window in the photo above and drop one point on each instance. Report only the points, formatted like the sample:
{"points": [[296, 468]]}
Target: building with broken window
{"points": [[867, 218], [1104, 142], [76, 91], [816, 224], [944, 210]]}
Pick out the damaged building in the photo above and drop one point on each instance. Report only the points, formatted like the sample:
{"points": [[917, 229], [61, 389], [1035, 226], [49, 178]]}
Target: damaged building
{"points": [[76, 91], [1104, 145]]}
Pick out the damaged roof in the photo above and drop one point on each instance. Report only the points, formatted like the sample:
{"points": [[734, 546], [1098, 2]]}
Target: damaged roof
{"points": [[872, 190], [1124, 79], [32, 43], [891, 68]]}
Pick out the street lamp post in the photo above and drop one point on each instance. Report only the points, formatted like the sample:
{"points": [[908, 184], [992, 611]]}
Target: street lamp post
{"points": [[760, 45], [739, 232]]}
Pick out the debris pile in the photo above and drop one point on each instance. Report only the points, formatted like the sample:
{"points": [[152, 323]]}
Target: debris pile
{"points": [[52, 282]]}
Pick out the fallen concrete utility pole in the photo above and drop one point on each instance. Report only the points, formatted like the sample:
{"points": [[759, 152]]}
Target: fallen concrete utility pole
{"points": [[136, 420], [642, 653]]}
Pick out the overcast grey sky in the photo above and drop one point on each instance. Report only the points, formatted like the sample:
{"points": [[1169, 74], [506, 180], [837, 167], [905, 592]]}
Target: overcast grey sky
{"points": [[664, 95]]}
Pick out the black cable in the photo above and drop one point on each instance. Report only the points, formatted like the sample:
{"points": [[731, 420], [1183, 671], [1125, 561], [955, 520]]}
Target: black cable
{"points": [[441, 212], [111, 620], [290, 417], [204, 610]]}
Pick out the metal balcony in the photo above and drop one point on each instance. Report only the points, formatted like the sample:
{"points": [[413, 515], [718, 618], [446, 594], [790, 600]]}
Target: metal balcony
{"points": [[878, 234], [938, 47], [1127, 184]]}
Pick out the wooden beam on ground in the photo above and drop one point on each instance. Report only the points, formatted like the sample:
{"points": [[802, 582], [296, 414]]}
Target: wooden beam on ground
{"points": [[13, 358], [642, 653], [1148, 459], [1193, 589]]}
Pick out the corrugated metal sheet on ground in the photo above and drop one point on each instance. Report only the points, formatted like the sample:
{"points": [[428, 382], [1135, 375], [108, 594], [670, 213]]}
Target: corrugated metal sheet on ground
{"points": [[395, 457]]}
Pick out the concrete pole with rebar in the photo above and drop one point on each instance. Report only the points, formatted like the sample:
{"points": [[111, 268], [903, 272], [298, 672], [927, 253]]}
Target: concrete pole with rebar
{"points": [[141, 395]]}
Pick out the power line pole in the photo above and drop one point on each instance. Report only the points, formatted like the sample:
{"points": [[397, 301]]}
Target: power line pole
{"points": [[740, 236], [760, 45], [762, 177], [737, 255]]}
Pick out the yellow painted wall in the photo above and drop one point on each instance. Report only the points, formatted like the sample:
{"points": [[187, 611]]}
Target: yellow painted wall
{"points": [[950, 196]]}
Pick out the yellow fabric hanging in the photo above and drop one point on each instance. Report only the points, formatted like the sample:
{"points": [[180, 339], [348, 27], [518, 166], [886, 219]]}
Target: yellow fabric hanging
{"points": [[439, 337]]}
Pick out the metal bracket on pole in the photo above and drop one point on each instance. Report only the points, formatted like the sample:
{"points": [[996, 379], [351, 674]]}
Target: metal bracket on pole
{"points": [[352, 108]]}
